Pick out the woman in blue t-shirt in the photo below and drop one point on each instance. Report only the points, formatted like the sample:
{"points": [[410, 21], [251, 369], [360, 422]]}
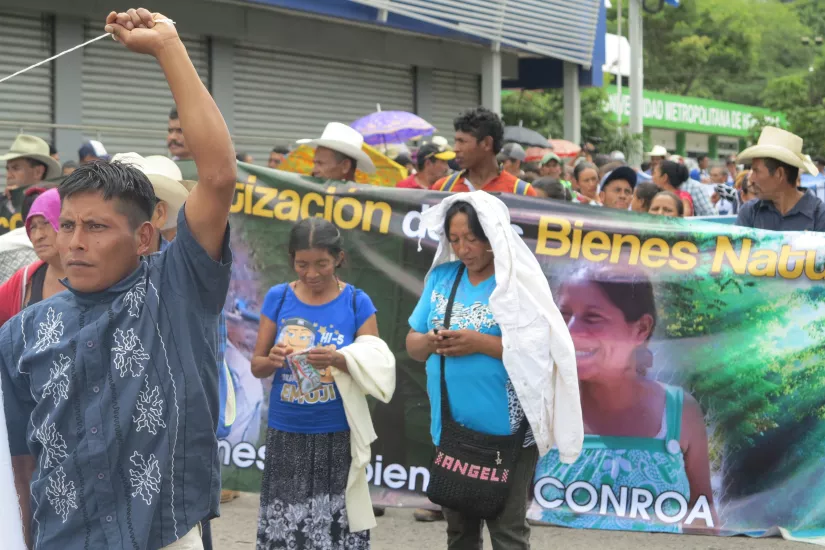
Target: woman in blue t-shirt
{"points": [[308, 442], [481, 395]]}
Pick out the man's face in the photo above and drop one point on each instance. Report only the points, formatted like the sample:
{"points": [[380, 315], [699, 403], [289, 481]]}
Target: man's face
{"points": [[654, 162], [175, 140], [512, 166], [97, 245], [20, 173], [617, 194], [718, 175], [327, 166], [275, 160], [435, 169], [470, 152], [551, 169], [762, 183], [703, 164]]}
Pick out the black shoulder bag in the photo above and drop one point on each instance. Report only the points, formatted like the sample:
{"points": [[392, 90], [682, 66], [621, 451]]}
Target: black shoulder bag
{"points": [[472, 471]]}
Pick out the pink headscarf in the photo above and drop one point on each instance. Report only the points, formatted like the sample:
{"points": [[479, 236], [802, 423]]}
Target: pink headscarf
{"points": [[48, 206]]}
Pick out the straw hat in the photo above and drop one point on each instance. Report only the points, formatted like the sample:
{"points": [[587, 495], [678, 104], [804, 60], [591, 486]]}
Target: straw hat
{"points": [[34, 148], [165, 177], [781, 145], [347, 141], [658, 151]]}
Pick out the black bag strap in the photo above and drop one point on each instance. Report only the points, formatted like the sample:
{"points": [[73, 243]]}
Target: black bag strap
{"points": [[448, 313], [281, 304], [445, 401]]}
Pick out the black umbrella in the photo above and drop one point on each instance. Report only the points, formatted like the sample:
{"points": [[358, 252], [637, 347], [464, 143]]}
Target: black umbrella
{"points": [[525, 137]]}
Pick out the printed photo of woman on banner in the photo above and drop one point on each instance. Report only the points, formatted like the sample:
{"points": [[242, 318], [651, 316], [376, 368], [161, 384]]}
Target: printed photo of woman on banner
{"points": [[645, 463]]}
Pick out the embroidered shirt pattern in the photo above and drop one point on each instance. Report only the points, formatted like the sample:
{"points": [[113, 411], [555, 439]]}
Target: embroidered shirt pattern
{"points": [[61, 494], [145, 477], [116, 396], [58, 384], [54, 446], [50, 331], [134, 298], [128, 353], [150, 407]]}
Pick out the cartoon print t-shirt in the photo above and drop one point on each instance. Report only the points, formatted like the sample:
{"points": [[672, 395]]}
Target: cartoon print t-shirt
{"points": [[303, 326]]}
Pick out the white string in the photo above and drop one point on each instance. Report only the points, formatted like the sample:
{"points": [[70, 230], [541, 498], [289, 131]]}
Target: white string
{"points": [[70, 50]]}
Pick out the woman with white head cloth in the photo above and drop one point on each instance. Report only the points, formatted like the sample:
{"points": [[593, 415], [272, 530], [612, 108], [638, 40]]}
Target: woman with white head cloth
{"points": [[487, 321]]}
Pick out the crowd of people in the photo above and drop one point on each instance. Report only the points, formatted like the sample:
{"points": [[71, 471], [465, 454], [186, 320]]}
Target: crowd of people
{"points": [[663, 185]]}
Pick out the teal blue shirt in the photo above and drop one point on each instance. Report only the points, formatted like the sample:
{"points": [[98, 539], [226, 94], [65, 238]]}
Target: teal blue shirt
{"points": [[478, 386]]}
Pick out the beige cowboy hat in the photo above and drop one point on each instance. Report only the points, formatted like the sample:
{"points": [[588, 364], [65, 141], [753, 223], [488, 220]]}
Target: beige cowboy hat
{"points": [[658, 151], [34, 148], [165, 177], [347, 141], [778, 144]]}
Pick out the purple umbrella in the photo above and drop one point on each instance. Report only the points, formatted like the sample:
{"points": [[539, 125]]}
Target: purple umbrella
{"points": [[392, 127]]}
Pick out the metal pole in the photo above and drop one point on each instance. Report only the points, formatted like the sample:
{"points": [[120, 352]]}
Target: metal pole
{"points": [[636, 74], [619, 110]]}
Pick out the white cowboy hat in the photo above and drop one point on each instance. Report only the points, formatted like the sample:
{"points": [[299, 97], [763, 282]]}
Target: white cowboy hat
{"points": [[347, 141], [34, 148], [781, 145], [658, 151], [165, 177]]}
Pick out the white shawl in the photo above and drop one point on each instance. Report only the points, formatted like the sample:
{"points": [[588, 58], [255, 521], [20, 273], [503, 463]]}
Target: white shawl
{"points": [[538, 351], [371, 367], [11, 526]]}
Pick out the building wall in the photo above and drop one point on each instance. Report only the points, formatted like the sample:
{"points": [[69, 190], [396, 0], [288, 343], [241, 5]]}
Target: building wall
{"points": [[223, 26]]}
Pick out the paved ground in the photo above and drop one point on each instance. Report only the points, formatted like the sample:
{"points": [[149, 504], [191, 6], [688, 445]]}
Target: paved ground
{"points": [[235, 530]]}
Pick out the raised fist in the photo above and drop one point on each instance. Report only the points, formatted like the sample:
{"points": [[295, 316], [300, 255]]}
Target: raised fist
{"points": [[142, 31]]}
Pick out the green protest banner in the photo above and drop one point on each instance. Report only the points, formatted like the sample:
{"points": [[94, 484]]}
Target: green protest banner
{"points": [[727, 436]]}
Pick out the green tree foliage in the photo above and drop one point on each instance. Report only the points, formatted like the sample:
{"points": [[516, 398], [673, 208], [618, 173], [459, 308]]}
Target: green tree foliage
{"points": [[543, 111], [727, 50]]}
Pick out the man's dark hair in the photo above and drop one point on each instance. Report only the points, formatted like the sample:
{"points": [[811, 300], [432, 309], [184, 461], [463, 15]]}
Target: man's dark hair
{"points": [[601, 159], [700, 158], [341, 157], [280, 150], [553, 188], [425, 152], [173, 114], [480, 123], [791, 171], [114, 180], [35, 163], [645, 192]]}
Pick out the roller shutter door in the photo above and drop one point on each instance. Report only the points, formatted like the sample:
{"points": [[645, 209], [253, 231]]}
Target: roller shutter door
{"points": [[282, 97], [126, 99], [453, 93], [25, 101]]}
